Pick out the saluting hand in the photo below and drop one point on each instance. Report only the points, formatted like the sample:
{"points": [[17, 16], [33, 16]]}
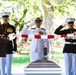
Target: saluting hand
{"points": [[64, 24], [31, 24]]}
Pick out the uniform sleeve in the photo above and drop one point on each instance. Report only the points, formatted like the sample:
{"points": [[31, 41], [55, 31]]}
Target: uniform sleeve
{"points": [[1, 31], [14, 30], [58, 31], [25, 30], [14, 41], [46, 42]]}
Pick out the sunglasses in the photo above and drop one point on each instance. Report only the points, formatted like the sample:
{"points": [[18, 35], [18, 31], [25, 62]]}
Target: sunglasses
{"points": [[70, 22]]}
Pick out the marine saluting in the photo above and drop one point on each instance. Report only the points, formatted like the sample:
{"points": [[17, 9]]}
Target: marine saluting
{"points": [[69, 47]]}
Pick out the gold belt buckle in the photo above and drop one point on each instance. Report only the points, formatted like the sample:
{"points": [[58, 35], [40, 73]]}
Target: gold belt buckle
{"points": [[71, 42]]}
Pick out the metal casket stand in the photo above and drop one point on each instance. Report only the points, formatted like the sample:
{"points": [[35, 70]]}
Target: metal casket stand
{"points": [[43, 67]]}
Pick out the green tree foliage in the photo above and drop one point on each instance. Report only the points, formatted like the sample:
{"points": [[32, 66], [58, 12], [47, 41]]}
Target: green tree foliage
{"points": [[61, 6], [33, 8], [30, 8]]}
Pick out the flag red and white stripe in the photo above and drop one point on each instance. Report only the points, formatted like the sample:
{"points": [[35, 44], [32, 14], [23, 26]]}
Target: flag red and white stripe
{"points": [[40, 36], [47, 36]]}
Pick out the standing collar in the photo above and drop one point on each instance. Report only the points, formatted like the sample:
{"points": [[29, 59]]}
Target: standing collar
{"points": [[5, 24], [37, 28]]}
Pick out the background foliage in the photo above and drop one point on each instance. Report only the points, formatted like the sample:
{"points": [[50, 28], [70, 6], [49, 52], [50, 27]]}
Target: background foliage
{"points": [[53, 12]]}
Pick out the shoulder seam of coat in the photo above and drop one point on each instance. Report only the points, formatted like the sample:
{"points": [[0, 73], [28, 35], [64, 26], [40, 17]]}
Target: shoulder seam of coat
{"points": [[43, 28], [33, 28]]}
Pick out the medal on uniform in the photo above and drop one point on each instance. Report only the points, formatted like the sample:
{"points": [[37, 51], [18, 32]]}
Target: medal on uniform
{"points": [[40, 33], [10, 30]]}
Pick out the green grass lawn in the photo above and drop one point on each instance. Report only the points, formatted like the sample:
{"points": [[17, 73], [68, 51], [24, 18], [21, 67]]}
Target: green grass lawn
{"points": [[21, 60], [58, 53], [18, 61]]}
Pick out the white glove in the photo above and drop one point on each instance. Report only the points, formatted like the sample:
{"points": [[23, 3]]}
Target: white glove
{"points": [[64, 25], [11, 36], [31, 24]]}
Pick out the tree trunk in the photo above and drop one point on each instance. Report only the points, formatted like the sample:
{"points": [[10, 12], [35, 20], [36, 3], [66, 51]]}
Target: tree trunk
{"points": [[48, 17], [48, 21]]}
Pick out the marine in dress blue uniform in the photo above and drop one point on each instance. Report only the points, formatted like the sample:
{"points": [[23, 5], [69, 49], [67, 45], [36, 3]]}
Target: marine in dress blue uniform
{"points": [[37, 46], [10, 46], [69, 47], [2, 43]]}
